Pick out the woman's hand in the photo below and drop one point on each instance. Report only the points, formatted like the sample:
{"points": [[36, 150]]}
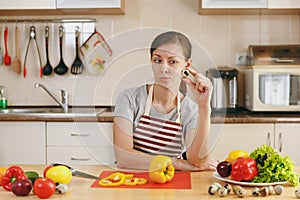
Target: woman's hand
{"points": [[201, 87], [184, 165]]}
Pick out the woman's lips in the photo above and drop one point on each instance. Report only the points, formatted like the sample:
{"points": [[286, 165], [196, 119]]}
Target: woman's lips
{"points": [[165, 78]]}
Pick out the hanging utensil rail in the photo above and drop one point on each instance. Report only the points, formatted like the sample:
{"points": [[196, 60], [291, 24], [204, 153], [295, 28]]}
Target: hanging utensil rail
{"points": [[88, 20]]}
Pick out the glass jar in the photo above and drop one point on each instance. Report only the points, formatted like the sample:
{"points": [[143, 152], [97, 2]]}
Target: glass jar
{"points": [[3, 99]]}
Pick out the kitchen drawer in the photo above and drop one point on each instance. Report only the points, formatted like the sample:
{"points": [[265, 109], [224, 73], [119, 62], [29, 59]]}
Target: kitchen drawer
{"points": [[79, 134], [81, 155]]}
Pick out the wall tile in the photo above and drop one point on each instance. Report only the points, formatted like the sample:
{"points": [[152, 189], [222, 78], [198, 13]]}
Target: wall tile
{"points": [[216, 39], [156, 13]]}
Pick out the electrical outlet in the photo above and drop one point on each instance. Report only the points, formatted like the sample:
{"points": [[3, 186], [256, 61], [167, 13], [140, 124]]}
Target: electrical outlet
{"points": [[240, 58]]}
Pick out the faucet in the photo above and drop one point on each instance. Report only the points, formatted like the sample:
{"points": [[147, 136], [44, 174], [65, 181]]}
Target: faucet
{"points": [[64, 97]]}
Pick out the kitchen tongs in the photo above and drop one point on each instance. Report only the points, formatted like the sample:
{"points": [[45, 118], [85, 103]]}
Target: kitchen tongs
{"points": [[77, 173], [32, 38]]}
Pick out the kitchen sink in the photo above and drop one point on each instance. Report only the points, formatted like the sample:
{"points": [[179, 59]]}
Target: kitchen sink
{"points": [[57, 111]]}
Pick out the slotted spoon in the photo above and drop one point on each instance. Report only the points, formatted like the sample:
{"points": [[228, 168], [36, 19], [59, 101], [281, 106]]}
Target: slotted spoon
{"points": [[77, 66]]}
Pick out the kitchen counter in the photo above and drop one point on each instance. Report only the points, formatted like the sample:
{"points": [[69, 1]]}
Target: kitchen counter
{"points": [[237, 116], [80, 188], [245, 116]]}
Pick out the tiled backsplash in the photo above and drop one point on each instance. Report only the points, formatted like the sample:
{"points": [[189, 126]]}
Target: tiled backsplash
{"points": [[216, 37]]}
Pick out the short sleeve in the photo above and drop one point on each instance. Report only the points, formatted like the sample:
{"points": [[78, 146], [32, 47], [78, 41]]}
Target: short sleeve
{"points": [[124, 105]]}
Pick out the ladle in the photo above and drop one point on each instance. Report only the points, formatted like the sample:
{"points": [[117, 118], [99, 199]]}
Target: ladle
{"points": [[61, 68], [47, 69], [16, 63]]}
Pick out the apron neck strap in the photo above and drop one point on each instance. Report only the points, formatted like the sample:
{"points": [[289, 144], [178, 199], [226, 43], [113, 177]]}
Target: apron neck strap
{"points": [[149, 103]]}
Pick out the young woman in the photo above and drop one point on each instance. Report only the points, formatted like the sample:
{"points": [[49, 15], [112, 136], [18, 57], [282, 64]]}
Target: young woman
{"points": [[160, 119]]}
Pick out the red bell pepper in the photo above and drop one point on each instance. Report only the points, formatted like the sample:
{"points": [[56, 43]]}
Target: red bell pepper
{"points": [[12, 174], [244, 169]]}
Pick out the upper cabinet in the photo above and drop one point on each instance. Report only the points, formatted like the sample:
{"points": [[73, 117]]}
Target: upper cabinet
{"points": [[234, 3], [249, 6], [61, 7], [30, 4], [88, 4], [283, 4]]}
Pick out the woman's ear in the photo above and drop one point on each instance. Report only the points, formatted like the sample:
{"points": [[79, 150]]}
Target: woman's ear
{"points": [[188, 63]]}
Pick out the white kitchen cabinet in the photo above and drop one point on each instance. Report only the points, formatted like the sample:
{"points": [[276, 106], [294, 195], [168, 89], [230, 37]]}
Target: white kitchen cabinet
{"points": [[80, 143], [241, 136], [283, 137], [22, 143], [278, 4], [287, 140], [88, 4], [61, 7], [233, 3], [29, 4]]}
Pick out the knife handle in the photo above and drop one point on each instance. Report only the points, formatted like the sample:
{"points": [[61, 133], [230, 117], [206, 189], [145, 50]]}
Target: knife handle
{"points": [[60, 164]]}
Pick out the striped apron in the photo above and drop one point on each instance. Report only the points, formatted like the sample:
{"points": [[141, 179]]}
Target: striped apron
{"points": [[158, 136]]}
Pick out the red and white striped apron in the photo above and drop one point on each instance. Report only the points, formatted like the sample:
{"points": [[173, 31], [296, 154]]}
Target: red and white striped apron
{"points": [[158, 136]]}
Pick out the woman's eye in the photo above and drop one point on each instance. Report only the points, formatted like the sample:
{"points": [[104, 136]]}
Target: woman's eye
{"points": [[172, 62], [156, 60]]}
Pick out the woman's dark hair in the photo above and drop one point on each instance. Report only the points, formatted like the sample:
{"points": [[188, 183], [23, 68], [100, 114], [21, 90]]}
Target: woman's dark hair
{"points": [[172, 37]]}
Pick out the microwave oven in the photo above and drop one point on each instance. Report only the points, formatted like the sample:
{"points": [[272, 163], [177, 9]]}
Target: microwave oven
{"points": [[272, 78], [272, 89]]}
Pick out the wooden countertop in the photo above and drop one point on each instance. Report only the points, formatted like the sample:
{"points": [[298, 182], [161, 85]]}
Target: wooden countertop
{"points": [[237, 116], [80, 188]]}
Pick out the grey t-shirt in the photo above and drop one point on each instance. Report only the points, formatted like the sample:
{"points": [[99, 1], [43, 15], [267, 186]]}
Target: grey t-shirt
{"points": [[131, 105]]}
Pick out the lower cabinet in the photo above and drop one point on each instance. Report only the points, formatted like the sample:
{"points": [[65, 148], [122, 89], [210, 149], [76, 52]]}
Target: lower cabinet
{"points": [[287, 140], [22, 143], [240, 136], [80, 143], [283, 137]]}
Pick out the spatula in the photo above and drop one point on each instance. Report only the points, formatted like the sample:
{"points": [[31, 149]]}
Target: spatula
{"points": [[77, 66], [7, 59], [16, 63]]}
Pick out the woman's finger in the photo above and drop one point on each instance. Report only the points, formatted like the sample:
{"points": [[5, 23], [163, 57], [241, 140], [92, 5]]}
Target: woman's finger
{"points": [[192, 71]]}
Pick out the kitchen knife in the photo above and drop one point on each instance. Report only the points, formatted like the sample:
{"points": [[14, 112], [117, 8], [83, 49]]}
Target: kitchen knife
{"points": [[77, 173]]}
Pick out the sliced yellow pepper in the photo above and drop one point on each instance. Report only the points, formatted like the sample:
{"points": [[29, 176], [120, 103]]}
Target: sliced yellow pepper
{"points": [[135, 181], [161, 169], [114, 179], [119, 178]]}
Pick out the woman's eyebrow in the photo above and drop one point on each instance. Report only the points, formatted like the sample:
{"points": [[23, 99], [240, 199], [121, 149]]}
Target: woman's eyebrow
{"points": [[156, 55]]}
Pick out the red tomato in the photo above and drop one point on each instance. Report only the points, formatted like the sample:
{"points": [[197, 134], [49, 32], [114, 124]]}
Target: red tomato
{"points": [[46, 169], [44, 187]]}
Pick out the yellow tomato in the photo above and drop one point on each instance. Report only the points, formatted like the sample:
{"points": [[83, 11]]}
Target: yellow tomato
{"points": [[59, 174], [233, 155], [2, 172]]}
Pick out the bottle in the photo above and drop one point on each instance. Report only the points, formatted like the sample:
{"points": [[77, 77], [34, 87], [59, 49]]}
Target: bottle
{"points": [[3, 100]]}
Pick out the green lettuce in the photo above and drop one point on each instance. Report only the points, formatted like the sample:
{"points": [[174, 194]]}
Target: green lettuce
{"points": [[273, 167]]}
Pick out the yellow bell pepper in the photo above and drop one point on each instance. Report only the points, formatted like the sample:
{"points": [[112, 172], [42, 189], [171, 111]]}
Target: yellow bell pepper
{"points": [[114, 179], [161, 169], [233, 155]]}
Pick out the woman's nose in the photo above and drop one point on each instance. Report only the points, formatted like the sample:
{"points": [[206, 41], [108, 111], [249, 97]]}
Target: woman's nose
{"points": [[164, 69]]}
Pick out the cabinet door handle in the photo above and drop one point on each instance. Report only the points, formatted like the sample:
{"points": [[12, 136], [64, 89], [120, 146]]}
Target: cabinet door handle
{"points": [[77, 134], [80, 159], [280, 142], [269, 139]]}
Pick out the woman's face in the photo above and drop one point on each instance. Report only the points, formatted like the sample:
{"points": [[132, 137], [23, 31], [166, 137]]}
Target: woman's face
{"points": [[167, 63]]}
